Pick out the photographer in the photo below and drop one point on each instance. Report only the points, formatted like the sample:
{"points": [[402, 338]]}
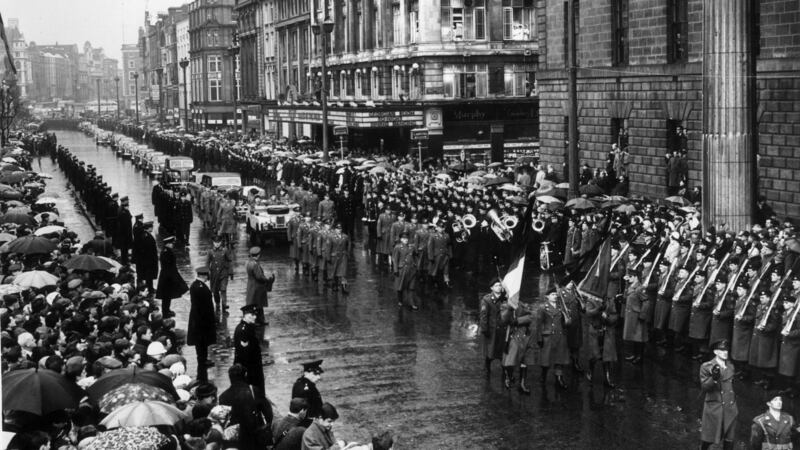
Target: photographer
{"points": [[719, 408]]}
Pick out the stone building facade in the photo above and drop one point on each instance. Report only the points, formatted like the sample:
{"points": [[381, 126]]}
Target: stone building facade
{"points": [[640, 76]]}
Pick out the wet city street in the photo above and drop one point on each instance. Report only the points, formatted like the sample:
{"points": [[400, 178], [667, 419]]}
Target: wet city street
{"points": [[419, 374]]}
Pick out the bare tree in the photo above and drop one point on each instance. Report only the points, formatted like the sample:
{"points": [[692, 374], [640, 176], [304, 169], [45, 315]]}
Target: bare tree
{"points": [[9, 105]]}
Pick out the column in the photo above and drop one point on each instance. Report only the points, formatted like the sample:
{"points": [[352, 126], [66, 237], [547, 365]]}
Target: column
{"points": [[430, 21], [728, 114], [368, 10]]}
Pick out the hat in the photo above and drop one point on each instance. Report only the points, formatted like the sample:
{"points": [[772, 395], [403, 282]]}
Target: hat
{"points": [[634, 272], [183, 395], [51, 297], [255, 251], [169, 360], [148, 224], [203, 270], [124, 199], [700, 273], [205, 390], [743, 284], [139, 216], [168, 239], [249, 309], [156, 348], [74, 365], [721, 278], [313, 366], [109, 362], [721, 344]]}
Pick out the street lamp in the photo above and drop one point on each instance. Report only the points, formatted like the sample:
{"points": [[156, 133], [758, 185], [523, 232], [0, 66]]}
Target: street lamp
{"points": [[98, 98], [184, 63], [323, 32], [136, 88], [160, 72], [116, 80], [234, 50]]}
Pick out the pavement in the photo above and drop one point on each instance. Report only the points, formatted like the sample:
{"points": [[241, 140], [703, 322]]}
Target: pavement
{"points": [[420, 374]]}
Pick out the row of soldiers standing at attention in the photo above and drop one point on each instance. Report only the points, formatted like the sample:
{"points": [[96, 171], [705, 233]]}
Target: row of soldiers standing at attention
{"points": [[173, 208], [319, 246]]}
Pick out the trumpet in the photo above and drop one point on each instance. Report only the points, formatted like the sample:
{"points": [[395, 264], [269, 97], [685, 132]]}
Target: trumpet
{"points": [[502, 226], [462, 227], [544, 256], [537, 225]]}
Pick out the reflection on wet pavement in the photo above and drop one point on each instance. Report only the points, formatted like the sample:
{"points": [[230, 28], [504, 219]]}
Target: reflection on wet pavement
{"points": [[419, 374]]}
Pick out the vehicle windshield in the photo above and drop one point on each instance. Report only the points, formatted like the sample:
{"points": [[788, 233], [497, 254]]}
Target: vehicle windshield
{"points": [[181, 164], [226, 181]]}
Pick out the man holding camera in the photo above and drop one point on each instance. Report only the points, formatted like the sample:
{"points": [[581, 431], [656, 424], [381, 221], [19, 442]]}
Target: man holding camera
{"points": [[719, 408]]}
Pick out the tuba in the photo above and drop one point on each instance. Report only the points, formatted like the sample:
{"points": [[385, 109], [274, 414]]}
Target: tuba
{"points": [[544, 255], [500, 225], [462, 226]]}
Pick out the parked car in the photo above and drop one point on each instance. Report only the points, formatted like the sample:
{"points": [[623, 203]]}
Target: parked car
{"points": [[267, 222]]}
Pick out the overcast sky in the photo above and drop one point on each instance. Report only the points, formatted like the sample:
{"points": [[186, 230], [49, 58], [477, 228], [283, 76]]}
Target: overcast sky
{"points": [[104, 23]]}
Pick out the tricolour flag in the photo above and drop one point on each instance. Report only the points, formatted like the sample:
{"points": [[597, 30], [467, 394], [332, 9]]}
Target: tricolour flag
{"points": [[512, 281]]}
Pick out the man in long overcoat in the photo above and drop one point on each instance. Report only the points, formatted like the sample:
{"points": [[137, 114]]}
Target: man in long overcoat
{"points": [[719, 407], [145, 255], [491, 325], [201, 331], [404, 256], [247, 350], [219, 262], [257, 285], [124, 230], [170, 282]]}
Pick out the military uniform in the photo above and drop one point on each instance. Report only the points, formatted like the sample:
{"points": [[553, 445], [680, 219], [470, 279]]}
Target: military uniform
{"points": [[719, 408], [770, 433], [247, 352]]}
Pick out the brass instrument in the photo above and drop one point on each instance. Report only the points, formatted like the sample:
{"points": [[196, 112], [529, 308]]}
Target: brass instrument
{"points": [[731, 283], [562, 304], [753, 289], [462, 227], [500, 226], [709, 281], [537, 225], [786, 329], [509, 221], [544, 256], [775, 296]]}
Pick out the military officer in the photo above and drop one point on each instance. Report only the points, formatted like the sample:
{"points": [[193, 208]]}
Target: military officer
{"points": [[552, 339], [404, 256], [247, 349], [719, 409]]}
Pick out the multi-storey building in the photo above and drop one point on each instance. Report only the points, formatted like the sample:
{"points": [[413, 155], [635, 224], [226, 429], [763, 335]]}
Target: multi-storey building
{"points": [[183, 47], [269, 45], [54, 71], [211, 29], [131, 64], [642, 80], [250, 32], [169, 55], [22, 61], [464, 69]]}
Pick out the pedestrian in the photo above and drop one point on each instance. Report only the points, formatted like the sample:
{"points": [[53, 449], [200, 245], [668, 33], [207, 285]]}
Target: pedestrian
{"points": [[491, 325], [201, 331], [170, 282], [306, 387], [247, 349], [145, 255], [719, 408], [287, 433], [250, 411], [774, 429], [219, 262], [319, 435], [257, 285]]}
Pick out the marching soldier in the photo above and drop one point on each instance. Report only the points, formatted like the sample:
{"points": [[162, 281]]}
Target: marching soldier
{"points": [[304, 242], [439, 253], [491, 325], [764, 343], [404, 256], [339, 244], [218, 262], [294, 245], [383, 232], [602, 316], [552, 339], [519, 350]]}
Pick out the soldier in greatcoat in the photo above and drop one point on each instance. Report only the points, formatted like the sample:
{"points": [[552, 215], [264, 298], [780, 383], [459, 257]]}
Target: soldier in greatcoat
{"points": [[722, 317], [145, 256], [719, 408], [439, 253], [700, 318], [170, 282], [294, 245], [790, 345], [681, 309], [303, 239], [124, 237], [521, 331], [404, 256], [201, 331], [635, 327], [764, 343], [382, 230], [744, 317], [338, 244], [219, 262], [490, 324], [551, 337]]}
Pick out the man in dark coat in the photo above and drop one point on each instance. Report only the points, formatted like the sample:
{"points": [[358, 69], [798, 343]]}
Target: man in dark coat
{"points": [[185, 216], [287, 433], [145, 255], [257, 284], [719, 408], [306, 387], [491, 324], [201, 331], [100, 246], [170, 282], [247, 349], [124, 230], [249, 411], [404, 256]]}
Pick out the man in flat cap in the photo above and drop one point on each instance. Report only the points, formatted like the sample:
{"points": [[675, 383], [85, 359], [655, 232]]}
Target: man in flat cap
{"points": [[247, 349], [306, 387], [201, 331], [719, 408]]}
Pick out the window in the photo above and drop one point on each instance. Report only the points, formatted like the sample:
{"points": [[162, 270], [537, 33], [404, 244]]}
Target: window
{"points": [[676, 136], [413, 22], [374, 83], [397, 25], [358, 77], [466, 81], [619, 132], [519, 80], [214, 90], [619, 19], [343, 83], [131, 75], [677, 31], [215, 63], [518, 20], [461, 20], [131, 64]]}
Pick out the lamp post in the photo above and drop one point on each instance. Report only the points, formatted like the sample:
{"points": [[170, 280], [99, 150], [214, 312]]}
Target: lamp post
{"points": [[98, 98], [160, 72], [116, 80], [136, 88], [234, 50], [323, 31], [185, 63]]}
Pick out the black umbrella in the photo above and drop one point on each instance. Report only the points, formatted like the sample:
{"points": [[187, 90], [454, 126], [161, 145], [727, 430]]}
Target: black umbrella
{"points": [[132, 374], [18, 218], [30, 245], [496, 181], [39, 391], [87, 263]]}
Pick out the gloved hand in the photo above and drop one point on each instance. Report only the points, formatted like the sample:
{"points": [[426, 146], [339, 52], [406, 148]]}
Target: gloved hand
{"points": [[715, 372]]}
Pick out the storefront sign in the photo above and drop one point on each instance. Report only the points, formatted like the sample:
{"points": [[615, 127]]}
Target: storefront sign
{"points": [[347, 118], [494, 112]]}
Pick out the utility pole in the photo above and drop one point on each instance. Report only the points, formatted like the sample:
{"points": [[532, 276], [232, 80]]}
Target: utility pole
{"points": [[572, 97], [98, 98]]}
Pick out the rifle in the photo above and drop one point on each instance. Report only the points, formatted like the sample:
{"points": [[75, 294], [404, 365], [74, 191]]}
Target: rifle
{"points": [[679, 291], [788, 327], [753, 289], [731, 282], [710, 281], [763, 323], [672, 268]]}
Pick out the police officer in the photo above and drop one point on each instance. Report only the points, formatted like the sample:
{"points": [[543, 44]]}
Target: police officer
{"points": [[306, 387], [247, 349]]}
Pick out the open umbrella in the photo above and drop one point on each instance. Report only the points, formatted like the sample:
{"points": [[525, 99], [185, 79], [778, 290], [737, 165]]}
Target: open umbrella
{"points": [[7, 237], [129, 393], [9, 289], [627, 209], [44, 175], [129, 438], [464, 166], [443, 176], [39, 391], [30, 245], [132, 374], [475, 180], [590, 189], [511, 187], [9, 160], [48, 230], [525, 159], [376, 170], [478, 173], [46, 201], [10, 195], [407, 166], [143, 414], [517, 200], [496, 181], [50, 214], [17, 218], [87, 263], [35, 279], [548, 199], [23, 209], [793, 245], [12, 177], [678, 200], [115, 265], [580, 203], [495, 164], [13, 167]]}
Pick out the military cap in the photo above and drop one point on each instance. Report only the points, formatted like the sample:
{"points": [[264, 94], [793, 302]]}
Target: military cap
{"points": [[74, 283], [109, 362], [255, 251], [169, 239], [764, 292], [721, 278], [721, 344], [124, 199], [313, 366], [743, 284], [700, 273], [249, 309], [203, 270], [139, 216], [115, 195]]}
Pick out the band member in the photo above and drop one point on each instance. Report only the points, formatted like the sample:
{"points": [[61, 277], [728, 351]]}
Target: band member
{"points": [[719, 409], [491, 325], [552, 338]]}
